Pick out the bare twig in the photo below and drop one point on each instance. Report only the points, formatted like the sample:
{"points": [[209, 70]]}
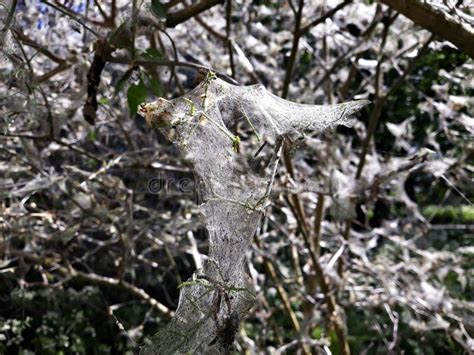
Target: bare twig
{"points": [[71, 274], [330, 300], [72, 15], [379, 103], [294, 50], [175, 18], [306, 28], [31, 43], [179, 63], [102, 53], [228, 29], [438, 22]]}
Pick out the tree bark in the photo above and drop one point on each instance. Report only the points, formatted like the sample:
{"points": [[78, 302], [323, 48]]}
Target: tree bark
{"points": [[439, 23], [175, 18]]}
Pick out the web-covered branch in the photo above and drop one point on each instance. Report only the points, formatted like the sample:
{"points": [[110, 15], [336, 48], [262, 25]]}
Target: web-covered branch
{"points": [[235, 188]]}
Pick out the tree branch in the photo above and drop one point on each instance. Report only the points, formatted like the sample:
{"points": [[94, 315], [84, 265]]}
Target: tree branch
{"points": [[102, 53], [175, 18], [437, 22], [71, 274], [327, 15]]}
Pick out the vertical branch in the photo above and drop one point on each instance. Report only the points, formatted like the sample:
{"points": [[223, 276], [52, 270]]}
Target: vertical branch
{"points": [[299, 211], [228, 29], [270, 270], [106, 19], [327, 87], [343, 57], [297, 33], [294, 50], [318, 218], [285, 299], [103, 50], [377, 110], [312, 281], [329, 298], [346, 236], [113, 13], [269, 267], [173, 68], [344, 90], [10, 16], [296, 206], [289, 70], [134, 26]]}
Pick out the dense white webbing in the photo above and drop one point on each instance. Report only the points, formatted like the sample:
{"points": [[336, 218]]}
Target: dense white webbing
{"points": [[217, 298]]}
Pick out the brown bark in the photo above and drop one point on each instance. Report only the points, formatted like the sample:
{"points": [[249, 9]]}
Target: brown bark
{"points": [[175, 18], [439, 23], [103, 50]]}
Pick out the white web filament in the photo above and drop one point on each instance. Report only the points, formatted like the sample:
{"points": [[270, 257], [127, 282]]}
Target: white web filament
{"points": [[200, 123]]}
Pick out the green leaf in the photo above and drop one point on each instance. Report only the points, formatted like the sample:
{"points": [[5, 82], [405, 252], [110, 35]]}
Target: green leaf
{"points": [[103, 101], [152, 53], [317, 333], [120, 37], [155, 86], [334, 342], [158, 10], [92, 135], [136, 94]]}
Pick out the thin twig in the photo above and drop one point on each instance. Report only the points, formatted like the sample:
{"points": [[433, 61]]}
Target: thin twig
{"points": [[10, 19], [377, 110], [306, 28], [330, 300], [175, 18], [71, 15], [58, 141], [228, 29], [176, 63], [31, 43], [294, 50], [71, 274]]}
